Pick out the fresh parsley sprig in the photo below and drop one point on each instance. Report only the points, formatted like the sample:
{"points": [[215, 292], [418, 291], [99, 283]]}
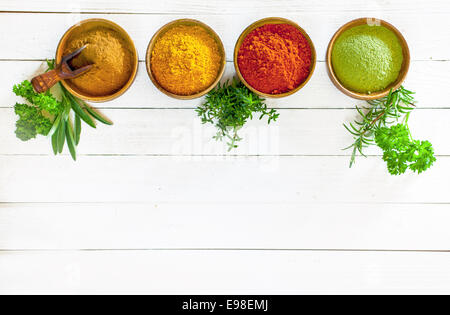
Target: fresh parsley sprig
{"points": [[386, 124], [44, 101], [31, 122], [48, 116], [402, 152], [229, 106]]}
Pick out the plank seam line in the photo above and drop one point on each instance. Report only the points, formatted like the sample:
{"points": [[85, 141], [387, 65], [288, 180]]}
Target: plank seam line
{"points": [[291, 12], [227, 250], [400, 203], [112, 13], [198, 155]]}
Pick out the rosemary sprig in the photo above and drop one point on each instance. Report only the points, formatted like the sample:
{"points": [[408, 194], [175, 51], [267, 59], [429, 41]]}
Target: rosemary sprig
{"points": [[380, 113], [387, 118]]}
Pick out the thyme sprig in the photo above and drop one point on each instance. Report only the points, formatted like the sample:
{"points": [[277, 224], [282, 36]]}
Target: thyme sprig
{"points": [[385, 123], [229, 106]]}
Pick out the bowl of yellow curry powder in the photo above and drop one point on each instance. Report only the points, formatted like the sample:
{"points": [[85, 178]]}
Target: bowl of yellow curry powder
{"points": [[367, 58], [112, 52], [185, 59]]}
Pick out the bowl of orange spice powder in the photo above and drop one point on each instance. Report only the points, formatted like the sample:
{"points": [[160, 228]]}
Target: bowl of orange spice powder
{"points": [[111, 51], [274, 57], [185, 59]]}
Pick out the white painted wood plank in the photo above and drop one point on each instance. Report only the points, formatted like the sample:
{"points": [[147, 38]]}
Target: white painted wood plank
{"points": [[429, 79], [180, 132], [244, 226], [36, 36], [224, 272], [133, 202], [230, 180], [215, 7]]}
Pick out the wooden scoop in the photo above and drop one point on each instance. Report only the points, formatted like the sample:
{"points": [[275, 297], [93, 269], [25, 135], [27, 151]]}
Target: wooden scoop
{"points": [[63, 71]]}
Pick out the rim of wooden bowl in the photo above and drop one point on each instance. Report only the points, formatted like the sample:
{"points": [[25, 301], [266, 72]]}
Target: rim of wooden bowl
{"points": [[162, 31], [107, 23], [403, 72], [262, 22]]}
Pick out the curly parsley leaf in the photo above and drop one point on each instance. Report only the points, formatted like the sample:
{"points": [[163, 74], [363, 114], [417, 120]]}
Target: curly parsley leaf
{"points": [[423, 156], [46, 115], [375, 126], [31, 122], [45, 101], [401, 152]]}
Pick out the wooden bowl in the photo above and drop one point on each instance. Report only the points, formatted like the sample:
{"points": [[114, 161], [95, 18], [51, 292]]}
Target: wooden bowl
{"points": [[87, 25], [257, 24], [376, 95], [161, 32]]}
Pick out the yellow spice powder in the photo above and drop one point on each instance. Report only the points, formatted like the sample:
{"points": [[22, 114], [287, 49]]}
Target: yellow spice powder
{"points": [[112, 59], [186, 60]]}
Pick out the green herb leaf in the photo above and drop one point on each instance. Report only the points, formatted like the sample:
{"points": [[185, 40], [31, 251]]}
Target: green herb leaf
{"points": [[61, 136], [375, 127], [55, 125], [50, 64], [71, 140], [77, 108], [48, 116], [401, 152], [229, 107], [77, 129], [97, 115], [55, 137], [43, 101], [31, 122]]}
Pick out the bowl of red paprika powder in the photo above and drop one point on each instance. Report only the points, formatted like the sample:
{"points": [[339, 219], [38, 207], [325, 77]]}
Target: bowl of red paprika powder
{"points": [[274, 57]]}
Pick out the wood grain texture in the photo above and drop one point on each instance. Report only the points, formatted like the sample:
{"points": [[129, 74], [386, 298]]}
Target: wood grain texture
{"points": [[283, 225], [228, 180], [176, 132], [217, 7], [224, 272], [427, 78], [152, 199], [28, 41]]}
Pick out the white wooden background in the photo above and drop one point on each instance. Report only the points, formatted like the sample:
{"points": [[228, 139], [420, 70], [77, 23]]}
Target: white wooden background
{"points": [[153, 205]]}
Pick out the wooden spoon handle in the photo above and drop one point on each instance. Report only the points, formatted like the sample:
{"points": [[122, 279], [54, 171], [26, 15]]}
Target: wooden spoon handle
{"points": [[44, 82]]}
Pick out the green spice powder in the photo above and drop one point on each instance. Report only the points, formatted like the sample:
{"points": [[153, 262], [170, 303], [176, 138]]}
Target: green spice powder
{"points": [[367, 59]]}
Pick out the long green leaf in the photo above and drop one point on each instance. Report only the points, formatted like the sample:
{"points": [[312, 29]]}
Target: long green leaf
{"points": [[71, 140], [55, 125], [98, 116], [80, 112], [77, 108], [351, 131], [55, 142], [61, 136], [77, 129]]}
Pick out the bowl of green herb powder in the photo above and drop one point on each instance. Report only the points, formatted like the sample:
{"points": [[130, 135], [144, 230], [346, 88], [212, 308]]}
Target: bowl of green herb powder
{"points": [[367, 58]]}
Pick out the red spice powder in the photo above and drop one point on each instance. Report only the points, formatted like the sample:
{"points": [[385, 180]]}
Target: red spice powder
{"points": [[275, 58]]}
